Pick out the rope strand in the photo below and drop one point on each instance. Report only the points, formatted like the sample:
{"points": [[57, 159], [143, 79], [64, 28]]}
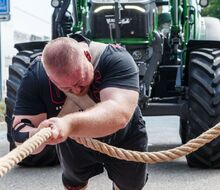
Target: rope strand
{"points": [[22, 151]]}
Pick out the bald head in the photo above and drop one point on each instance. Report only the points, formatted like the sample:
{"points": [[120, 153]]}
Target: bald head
{"points": [[61, 55], [67, 65]]}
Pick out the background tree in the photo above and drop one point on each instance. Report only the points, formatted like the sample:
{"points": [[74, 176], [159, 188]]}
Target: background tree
{"points": [[213, 9]]}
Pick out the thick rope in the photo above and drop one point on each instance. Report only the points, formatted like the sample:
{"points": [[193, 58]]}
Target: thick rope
{"points": [[152, 157], [22, 151]]}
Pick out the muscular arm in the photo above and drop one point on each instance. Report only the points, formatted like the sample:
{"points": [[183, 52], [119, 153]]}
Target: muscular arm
{"points": [[113, 113], [35, 120]]}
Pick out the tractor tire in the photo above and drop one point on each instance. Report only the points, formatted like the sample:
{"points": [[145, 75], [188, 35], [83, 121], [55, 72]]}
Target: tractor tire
{"points": [[183, 130], [19, 65], [204, 105]]}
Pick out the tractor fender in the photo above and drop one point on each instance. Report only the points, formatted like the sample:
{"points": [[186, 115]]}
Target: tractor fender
{"points": [[38, 45], [197, 44]]}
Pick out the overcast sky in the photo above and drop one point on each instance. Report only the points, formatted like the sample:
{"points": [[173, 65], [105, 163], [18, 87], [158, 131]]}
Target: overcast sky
{"points": [[31, 16]]}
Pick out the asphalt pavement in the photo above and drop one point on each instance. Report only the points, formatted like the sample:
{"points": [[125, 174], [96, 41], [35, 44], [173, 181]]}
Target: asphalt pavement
{"points": [[163, 134]]}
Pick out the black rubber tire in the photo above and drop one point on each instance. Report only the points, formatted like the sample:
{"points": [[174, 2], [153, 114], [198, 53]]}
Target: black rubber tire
{"points": [[204, 105], [20, 62], [183, 130]]}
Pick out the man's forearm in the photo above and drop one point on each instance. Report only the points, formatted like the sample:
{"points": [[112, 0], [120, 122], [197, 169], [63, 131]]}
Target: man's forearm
{"points": [[25, 126], [101, 120]]}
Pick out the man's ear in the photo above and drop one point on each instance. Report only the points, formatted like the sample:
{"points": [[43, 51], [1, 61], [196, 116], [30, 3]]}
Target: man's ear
{"points": [[88, 55]]}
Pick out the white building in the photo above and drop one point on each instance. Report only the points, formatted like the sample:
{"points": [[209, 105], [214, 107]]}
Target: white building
{"points": [[29, 18]]}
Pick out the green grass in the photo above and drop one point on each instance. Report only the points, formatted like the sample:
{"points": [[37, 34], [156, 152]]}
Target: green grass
{"points": [[2, 111]]}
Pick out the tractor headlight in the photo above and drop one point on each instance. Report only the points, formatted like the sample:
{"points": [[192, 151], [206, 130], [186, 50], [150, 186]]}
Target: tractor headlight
{"points": [[55, 3], [137, 55]]}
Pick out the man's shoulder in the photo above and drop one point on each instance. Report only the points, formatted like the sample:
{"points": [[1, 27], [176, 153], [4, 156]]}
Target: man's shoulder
{"points": [[113, 51], [114, 55], [115, 48]]}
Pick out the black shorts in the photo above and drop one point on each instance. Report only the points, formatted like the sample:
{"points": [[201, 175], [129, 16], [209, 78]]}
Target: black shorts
{"points": [[79, 163]]}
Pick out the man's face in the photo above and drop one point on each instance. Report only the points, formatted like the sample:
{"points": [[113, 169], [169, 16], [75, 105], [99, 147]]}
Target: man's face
{"points": [[77, 81]]}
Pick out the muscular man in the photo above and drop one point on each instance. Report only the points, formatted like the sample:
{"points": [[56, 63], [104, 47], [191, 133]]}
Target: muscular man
{"points": [[101, 83]]}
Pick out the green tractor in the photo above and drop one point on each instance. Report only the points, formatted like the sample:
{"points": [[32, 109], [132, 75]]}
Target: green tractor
{"points": [[177, 52]]}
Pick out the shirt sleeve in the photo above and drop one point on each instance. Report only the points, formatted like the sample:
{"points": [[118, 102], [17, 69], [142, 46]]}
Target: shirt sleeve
{"points": [[120, 70], [28, 99]]}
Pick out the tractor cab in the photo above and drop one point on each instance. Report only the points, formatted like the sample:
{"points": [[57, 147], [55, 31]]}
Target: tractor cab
{"points": [[115, 20]]}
